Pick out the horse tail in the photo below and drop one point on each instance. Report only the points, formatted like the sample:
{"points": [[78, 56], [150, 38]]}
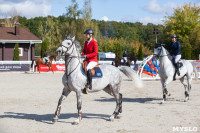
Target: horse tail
{"points": [[132, 75], [195, 71]]}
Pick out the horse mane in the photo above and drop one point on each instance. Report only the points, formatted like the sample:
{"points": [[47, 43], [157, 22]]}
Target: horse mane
{"points": [[168, 54], [78, 46], [53, 57]]}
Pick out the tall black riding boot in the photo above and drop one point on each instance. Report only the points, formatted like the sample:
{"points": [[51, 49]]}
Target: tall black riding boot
{"points": [[46, 61], [89, 79], [177, 69]]}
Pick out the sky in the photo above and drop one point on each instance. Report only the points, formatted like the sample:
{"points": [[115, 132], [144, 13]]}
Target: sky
{"points": [[144, 11]]}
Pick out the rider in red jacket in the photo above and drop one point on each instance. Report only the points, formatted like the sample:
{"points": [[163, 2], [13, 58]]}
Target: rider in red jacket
{"points": [[90, 52]]}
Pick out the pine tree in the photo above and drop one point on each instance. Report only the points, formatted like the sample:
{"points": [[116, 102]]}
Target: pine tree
{"points": [[140, 53], [16, 53], [43, 48]]}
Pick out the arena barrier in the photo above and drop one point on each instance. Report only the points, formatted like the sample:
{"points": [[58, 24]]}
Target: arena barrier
{"points": [[15, 66], [25, 66], [60, 66], [146, 69]]}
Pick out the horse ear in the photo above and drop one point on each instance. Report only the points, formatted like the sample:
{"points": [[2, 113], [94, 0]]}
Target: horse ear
{"points": [[68, 37], [162, 45], [73, 39]]}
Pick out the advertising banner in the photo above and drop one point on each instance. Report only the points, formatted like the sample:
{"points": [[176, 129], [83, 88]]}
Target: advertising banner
{"points": [[14, 67], [56, 67]]}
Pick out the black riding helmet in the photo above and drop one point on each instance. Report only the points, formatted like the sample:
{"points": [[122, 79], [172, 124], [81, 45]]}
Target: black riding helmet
{"points": [[89, 31], [174, 36]]}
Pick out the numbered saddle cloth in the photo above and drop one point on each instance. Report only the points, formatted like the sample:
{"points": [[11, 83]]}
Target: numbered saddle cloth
{"points": [[96, 71]]}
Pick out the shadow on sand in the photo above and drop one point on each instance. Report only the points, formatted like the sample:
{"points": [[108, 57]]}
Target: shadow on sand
{"points": [[135, 100], [47, 118]]}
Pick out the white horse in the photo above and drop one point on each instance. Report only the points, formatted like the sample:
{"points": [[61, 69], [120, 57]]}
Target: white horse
{"points": [[74, 80], [167, 70]]}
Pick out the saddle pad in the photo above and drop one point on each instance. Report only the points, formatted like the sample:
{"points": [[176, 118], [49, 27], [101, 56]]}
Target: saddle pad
{"points": [[98, 72]]}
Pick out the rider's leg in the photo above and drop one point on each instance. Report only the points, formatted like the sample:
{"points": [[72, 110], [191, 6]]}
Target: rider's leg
{"points": [[176, 59], [89, 79], [90, 66], [46, 61]]}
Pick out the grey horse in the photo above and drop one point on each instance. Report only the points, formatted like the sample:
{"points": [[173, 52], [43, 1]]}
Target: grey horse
{"points": [[74, 80], [167, 70]]}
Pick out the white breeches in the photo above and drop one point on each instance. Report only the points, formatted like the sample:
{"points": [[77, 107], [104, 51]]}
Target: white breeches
{"points": [[91, 65], [177, 58], [124, 59]]}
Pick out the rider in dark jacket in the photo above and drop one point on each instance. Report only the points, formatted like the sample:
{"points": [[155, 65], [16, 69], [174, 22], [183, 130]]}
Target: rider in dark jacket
{"points": [[124, 56], [175, 51]]}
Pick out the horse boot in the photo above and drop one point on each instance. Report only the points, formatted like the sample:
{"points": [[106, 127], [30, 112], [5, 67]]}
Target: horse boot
{"points": [[89, 79]]}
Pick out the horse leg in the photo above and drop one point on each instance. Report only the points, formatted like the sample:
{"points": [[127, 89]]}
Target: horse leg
{"points": [[188, 88], [79, 104], [165, 91], [38, 68], [118, 98], [65, 93], [52, 69]]}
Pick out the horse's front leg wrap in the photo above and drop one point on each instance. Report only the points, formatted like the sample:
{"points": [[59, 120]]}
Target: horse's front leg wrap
{"points": [[59, 105], [58, 110]]}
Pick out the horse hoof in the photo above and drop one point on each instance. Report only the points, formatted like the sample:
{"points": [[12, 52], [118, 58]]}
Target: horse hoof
{"points": [[162, 102], [55, 120], [186, 99], [76, 122], [118, 117], [112, 118]]}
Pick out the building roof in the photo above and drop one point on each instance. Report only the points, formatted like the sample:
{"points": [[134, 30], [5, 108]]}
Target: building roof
{"points": [[7, 35]]}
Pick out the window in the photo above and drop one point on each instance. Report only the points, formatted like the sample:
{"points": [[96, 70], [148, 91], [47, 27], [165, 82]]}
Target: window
{"points": [[20, 51]]}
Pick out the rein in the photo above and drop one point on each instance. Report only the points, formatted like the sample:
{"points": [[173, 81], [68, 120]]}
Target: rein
{"points": [[71, 57]]}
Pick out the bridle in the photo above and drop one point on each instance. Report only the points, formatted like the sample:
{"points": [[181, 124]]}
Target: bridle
{"points": [[71, 57], [158, 55]]}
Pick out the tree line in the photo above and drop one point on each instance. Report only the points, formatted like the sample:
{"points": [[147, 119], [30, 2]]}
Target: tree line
{"points": [[115, 36]]}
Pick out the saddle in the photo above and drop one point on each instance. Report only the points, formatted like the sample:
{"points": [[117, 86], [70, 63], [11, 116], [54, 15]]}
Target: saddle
{"points": [[179, 65], [45, 59], [93, 71]]}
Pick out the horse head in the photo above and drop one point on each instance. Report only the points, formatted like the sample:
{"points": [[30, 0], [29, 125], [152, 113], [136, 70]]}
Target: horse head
{"points": [[158, 51], [52, 57], [66, 47]]}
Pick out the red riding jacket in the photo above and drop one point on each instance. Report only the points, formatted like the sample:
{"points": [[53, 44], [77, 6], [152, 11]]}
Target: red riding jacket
{"points": [[91, 50]]}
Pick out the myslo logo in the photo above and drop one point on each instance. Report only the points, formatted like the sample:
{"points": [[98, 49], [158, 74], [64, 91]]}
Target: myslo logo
{"points": [[185, 129]]}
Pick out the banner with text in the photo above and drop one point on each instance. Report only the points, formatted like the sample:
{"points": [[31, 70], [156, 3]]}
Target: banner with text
{"points": [[14, 67], [55, 67]]}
